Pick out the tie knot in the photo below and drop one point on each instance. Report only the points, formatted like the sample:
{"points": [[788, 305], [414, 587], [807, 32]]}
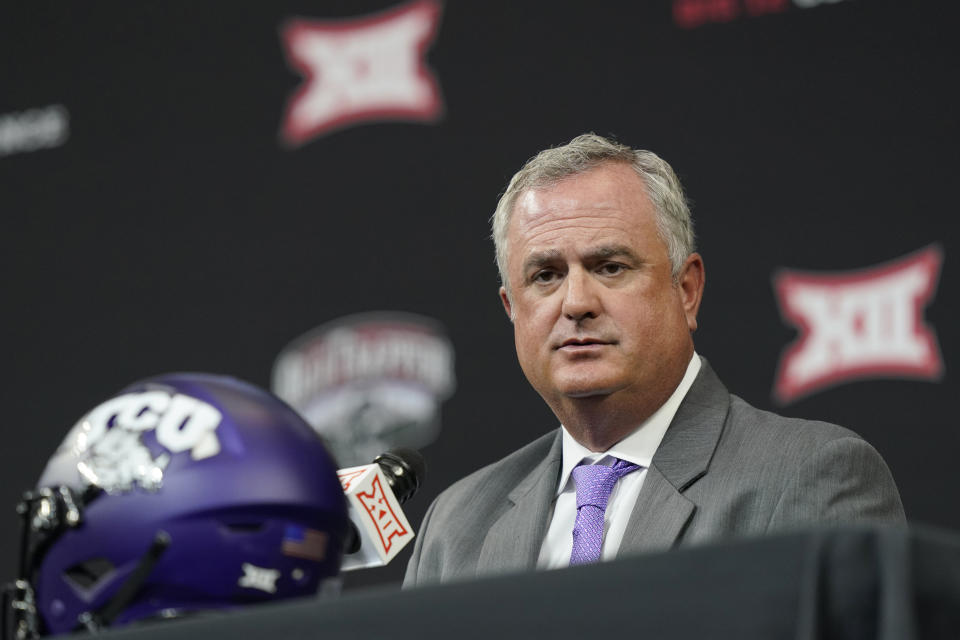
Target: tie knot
{"points": [[595, 482]]}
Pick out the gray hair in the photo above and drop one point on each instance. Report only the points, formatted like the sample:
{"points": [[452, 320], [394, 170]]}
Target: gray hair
{"points": [[589, 151]]}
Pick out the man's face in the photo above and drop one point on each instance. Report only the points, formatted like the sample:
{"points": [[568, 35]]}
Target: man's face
{"points": [[595, 309]]}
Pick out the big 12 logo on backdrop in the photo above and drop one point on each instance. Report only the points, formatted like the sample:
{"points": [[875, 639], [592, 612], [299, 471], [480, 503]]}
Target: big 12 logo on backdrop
{"points": [[858, 324], [362, 69]]}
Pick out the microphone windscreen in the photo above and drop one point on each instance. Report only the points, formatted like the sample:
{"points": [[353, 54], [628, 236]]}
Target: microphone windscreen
{"points": [[404, 469]]}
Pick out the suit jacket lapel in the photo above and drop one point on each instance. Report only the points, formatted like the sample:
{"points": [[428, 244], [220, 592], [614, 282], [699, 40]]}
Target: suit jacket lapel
{"points": [[662, 511], [513, 542]]}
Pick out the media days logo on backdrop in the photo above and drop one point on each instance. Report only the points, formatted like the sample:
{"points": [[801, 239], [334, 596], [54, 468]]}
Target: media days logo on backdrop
{"points": [[858, 324], [34, 129], [361, 70], [369, 382]]}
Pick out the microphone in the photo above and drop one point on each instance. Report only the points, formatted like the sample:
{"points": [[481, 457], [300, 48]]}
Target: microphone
{"points": [[404, 470], [378, 526]]}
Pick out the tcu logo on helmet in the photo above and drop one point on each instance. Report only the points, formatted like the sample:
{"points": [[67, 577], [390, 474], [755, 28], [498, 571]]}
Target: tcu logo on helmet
{"points": [[108, 441], [858, 324], [363, 69]]}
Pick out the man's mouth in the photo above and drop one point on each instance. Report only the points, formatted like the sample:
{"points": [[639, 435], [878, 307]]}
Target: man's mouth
{"points": [[582, 344]]}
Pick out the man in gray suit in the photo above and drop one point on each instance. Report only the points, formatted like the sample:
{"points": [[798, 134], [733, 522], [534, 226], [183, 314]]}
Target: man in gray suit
{"points": [[602, 283]]}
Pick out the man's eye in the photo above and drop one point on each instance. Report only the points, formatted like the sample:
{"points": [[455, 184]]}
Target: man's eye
{"points": [[544, 277], [611, 268]]}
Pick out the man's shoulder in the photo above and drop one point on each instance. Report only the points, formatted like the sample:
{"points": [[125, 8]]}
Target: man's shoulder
{"points": [[763, 441], [757, 422], [772, 472], [714, 423], [502, 476]]}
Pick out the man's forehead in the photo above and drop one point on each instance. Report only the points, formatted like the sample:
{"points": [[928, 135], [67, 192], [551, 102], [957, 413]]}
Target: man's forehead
{"points": [[612, 187], [600, 188], [584, 223], [540, 199]]}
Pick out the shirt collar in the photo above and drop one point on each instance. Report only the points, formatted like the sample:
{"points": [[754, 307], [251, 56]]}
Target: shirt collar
{"points": [[641, 444]]}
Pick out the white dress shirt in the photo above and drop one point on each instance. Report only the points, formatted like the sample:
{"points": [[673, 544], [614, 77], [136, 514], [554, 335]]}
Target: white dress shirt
{"points": [[638, 448]]}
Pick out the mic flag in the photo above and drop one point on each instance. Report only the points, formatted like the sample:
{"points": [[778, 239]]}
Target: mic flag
{"points": [[376, 513]]}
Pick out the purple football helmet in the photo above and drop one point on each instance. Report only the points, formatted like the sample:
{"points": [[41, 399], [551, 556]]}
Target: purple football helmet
{"points": [[184, 492]]}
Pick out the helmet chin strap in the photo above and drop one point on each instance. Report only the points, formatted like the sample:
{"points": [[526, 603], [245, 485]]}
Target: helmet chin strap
{"points": [[95, 621]]}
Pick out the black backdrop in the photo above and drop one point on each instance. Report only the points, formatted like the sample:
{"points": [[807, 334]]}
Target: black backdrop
{"points": [[172, 230]]}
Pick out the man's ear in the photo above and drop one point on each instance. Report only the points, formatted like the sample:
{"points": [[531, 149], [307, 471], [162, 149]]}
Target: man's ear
{"points": [[507, 305], [690, 282]]}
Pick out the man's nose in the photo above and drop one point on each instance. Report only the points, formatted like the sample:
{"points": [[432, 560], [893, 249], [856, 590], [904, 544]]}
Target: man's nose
{"points": [[580, 299]]}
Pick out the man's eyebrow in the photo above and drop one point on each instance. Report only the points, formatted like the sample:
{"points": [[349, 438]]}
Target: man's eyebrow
{"points": [[610, 251], [540, 259], [549, 256]]}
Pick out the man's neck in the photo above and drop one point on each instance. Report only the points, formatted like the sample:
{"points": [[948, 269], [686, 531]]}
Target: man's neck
{"points": [[599, 422]]}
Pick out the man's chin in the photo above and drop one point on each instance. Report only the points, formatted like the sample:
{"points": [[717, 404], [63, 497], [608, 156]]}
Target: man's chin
{"points": [[588, 391]]}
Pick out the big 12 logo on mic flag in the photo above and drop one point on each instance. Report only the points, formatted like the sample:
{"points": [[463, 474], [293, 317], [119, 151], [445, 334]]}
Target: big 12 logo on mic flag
{"points": [[859, 324], [381, 525], [363, 69]]}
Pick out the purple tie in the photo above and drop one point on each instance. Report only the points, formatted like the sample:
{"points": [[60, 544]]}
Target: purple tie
{"points": [[594, 484]]}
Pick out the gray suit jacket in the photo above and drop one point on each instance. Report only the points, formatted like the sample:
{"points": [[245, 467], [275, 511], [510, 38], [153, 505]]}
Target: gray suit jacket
{"points": [[724, 469]]}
